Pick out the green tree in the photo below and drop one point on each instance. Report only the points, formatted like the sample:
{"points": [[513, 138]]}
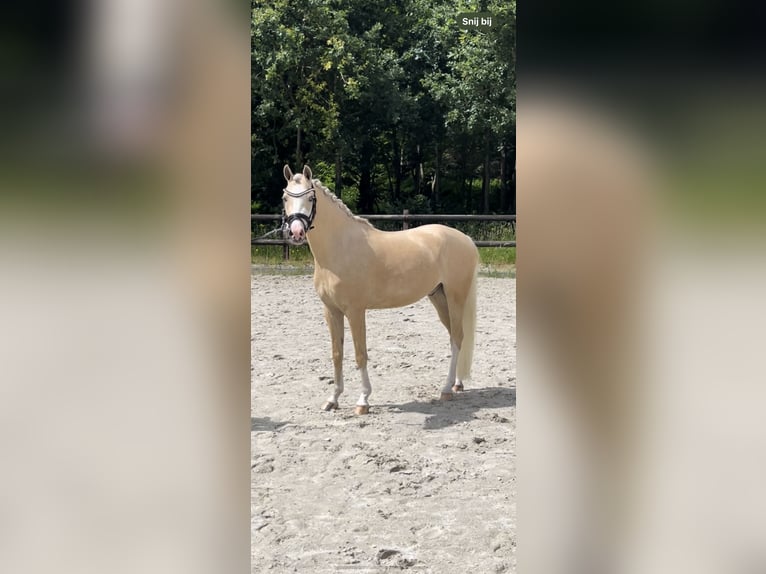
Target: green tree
{"points": [[391, 98], [297, 55], [478, 88]]}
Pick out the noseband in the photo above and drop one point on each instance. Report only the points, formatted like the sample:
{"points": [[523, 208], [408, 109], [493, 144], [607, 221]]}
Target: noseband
{"points": [[306, 221]]}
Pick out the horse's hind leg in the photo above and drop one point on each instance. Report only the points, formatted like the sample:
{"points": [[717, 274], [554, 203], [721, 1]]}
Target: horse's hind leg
{"points": [[451, 385], [356, 321], [334, 318], [456, 309], [449, 319], [439, 301]]}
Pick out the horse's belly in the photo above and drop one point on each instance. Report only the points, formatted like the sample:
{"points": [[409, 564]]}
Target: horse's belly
{"points": [[372, 293], [392, 301], [399, 292]]}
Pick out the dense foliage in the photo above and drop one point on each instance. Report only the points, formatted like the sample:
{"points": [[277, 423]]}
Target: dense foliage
{"points": [[391, 102]]}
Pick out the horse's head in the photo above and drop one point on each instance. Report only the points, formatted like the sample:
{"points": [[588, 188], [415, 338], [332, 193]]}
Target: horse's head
{"points": [[299, 205]]}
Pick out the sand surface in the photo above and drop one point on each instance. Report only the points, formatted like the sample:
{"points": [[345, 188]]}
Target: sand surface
{"points": [[418, 484]]}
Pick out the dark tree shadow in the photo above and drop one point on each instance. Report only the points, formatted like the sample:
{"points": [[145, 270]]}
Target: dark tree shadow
{"points": [[464, 406], [261, 424]]}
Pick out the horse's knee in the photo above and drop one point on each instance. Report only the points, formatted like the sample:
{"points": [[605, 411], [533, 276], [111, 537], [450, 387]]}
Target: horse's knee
{"points": [[337, 357], [361, 360]]}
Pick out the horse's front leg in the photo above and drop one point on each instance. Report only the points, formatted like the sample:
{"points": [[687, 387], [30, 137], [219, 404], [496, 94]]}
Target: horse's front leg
{"points": [[334, 318], [356, 320]]}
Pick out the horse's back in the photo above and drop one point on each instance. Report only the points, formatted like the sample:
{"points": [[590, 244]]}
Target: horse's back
{"points": [[401, 267], [444, 239], [425, 249], [453, 256], [454, 249]]}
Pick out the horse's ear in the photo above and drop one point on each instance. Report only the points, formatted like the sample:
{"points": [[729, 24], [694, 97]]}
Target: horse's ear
{"points": [[307, 172], [288, 172]]}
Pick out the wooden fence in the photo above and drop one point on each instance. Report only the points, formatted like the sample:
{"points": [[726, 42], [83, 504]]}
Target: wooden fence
{"points": [[406, 218]]}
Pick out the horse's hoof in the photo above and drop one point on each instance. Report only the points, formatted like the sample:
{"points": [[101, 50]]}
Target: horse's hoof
{"points": [[330, 406], [457, 387], [362, 409], [446, 397]]}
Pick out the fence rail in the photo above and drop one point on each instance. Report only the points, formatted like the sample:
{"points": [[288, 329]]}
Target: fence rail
{"points": [[406, 218]]}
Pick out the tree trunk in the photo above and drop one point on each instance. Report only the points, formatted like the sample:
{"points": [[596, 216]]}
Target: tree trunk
{"points": [[298, 155], [396, 164], [339, 175], [418, 170], [366, 197], [435, 184], [503, 177], [485, 175]]}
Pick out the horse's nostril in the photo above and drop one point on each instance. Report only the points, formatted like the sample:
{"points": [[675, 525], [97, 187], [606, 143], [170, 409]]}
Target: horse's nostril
{"points": [[297, 229]]}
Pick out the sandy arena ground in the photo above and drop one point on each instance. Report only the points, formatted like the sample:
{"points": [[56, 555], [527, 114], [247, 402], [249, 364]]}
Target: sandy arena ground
{"points": [[417, 484]]}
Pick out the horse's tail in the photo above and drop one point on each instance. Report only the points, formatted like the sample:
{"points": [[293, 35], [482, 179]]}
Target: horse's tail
{"points": [[465, 358]]}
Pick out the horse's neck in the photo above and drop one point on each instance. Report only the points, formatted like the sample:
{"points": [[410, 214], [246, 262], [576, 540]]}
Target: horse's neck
{"points": [[333, 227]]}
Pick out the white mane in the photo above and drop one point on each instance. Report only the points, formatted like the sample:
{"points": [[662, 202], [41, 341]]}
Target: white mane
{"points": [[337, 201], [298, 178]]}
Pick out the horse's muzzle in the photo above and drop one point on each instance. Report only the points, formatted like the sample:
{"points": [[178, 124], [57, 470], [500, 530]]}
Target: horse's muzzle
{"points": [[295, 233]]}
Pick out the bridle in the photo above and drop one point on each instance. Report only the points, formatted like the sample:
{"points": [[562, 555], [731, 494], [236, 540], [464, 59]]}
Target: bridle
{"points": [[307, 221]]}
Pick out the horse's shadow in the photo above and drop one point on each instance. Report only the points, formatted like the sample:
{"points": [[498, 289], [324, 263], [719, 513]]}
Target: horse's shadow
{"points": [[441, 414], [261, 424]]}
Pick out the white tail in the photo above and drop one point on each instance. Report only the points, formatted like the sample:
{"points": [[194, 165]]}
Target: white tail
{"points": [[465, 358]]}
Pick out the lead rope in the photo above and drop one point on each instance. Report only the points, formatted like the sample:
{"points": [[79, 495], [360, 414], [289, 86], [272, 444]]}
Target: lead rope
{"points": [[277, 230]]}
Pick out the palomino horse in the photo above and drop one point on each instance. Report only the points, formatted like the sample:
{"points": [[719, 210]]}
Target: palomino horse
{"points": [[358, 267]]}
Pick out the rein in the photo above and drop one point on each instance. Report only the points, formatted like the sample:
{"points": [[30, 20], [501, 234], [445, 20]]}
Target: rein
{"points": [[306, 221]]}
